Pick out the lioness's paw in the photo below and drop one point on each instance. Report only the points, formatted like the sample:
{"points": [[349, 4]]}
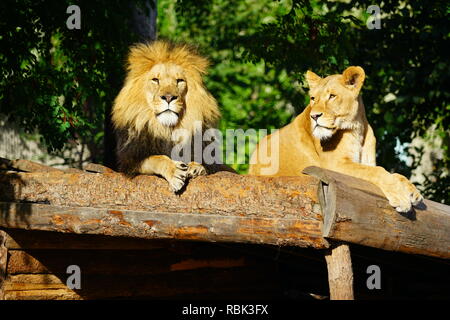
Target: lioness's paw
{"points": [[177, 175], [195, 169], [402, 194]]}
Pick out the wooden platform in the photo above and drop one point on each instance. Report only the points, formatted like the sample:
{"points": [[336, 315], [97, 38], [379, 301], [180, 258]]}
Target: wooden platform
{"points": [[225, 236]]}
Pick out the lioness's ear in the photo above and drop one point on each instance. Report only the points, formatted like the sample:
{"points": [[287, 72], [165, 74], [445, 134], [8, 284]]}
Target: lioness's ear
{"points": [[312, 79], [353, 78]]}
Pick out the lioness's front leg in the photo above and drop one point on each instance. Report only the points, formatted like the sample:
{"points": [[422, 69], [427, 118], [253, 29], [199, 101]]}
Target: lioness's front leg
{"points": [[175, 172], [400, 192]]}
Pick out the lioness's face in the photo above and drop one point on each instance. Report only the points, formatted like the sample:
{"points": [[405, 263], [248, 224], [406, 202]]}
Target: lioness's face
{"points": [[167, 92], [334, 101]]}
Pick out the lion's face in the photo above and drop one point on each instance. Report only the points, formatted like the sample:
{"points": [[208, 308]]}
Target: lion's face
{"points": [[166, 94], [334, 101]]}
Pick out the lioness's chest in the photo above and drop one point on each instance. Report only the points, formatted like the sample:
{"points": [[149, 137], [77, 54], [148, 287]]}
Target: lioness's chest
{"points": [[343, 145]]}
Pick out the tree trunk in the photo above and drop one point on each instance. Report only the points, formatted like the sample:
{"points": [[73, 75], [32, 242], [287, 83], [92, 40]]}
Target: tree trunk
{"points": [[143, 23]]}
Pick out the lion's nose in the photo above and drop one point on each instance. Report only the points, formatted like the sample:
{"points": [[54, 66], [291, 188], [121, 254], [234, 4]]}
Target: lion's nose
{"points": [[169, 98], [316, 116]]}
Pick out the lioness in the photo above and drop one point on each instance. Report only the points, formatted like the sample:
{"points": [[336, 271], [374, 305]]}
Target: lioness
{"points": [[333, 133]]}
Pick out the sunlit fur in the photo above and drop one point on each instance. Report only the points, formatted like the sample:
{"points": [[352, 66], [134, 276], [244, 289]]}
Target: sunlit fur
{"points": [[344, 111], [179, 70], [333, 133]]}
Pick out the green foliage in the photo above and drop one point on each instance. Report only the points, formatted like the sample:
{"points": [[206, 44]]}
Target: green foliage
{"points": [[250, 95], [57, 80], [62, 81]]}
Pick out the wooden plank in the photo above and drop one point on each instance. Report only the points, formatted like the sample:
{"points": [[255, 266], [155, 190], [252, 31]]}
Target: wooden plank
{"points": [[356, 211], [300, 231]]}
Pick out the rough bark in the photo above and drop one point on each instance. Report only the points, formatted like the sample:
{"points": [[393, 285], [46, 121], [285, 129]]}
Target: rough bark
{"points": [[221, 207], [3, 262]]}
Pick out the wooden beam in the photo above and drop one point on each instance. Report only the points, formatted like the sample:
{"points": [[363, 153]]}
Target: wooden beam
{"points": [[356, 211], [162, 225]]}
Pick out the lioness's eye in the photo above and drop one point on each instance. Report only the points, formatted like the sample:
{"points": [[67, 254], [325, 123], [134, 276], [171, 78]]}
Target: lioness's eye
{"points": [[156, 80], [332, 96], [312, 98], [180, 80]]}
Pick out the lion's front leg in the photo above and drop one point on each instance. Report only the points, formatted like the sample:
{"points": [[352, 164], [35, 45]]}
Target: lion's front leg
{"points": [[175, 172], [195, 169]]}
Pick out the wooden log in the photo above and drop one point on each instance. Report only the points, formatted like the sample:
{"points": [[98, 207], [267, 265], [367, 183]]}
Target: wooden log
{"points": [[156, 225], [356, 211], [3, 262], [221, 207], [340, 273], [223, 193]]}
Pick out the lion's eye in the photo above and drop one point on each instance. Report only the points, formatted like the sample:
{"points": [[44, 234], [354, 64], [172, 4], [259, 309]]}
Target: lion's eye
{"points": [[332, 96], [312, 98], [180, 81], [155, 80]]}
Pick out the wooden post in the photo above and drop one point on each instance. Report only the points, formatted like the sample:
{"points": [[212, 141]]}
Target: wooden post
{"points": [[340, 273], [357, 211]]}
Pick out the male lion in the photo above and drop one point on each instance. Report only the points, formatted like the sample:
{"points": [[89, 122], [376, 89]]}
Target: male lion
{"points": [[163, 92], [333, 133]]}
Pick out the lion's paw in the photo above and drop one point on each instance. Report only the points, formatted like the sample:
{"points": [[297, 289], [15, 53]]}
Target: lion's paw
{"points": [[402, 194], [177, 176], [195, 169]]}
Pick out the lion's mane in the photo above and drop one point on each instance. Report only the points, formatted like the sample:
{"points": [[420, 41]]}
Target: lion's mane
{"points": [[139, 134]]}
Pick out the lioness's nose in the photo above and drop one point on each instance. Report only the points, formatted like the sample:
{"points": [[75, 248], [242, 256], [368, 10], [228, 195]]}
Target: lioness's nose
{"points": [[169, 98], [316, 116]]}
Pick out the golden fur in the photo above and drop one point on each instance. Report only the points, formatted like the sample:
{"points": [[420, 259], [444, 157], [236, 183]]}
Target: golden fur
{"points": [[333, 133], [163, 91]]}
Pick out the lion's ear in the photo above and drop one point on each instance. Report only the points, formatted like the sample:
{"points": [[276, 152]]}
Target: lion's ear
{"points": [[353, 78], [312, 79]]}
